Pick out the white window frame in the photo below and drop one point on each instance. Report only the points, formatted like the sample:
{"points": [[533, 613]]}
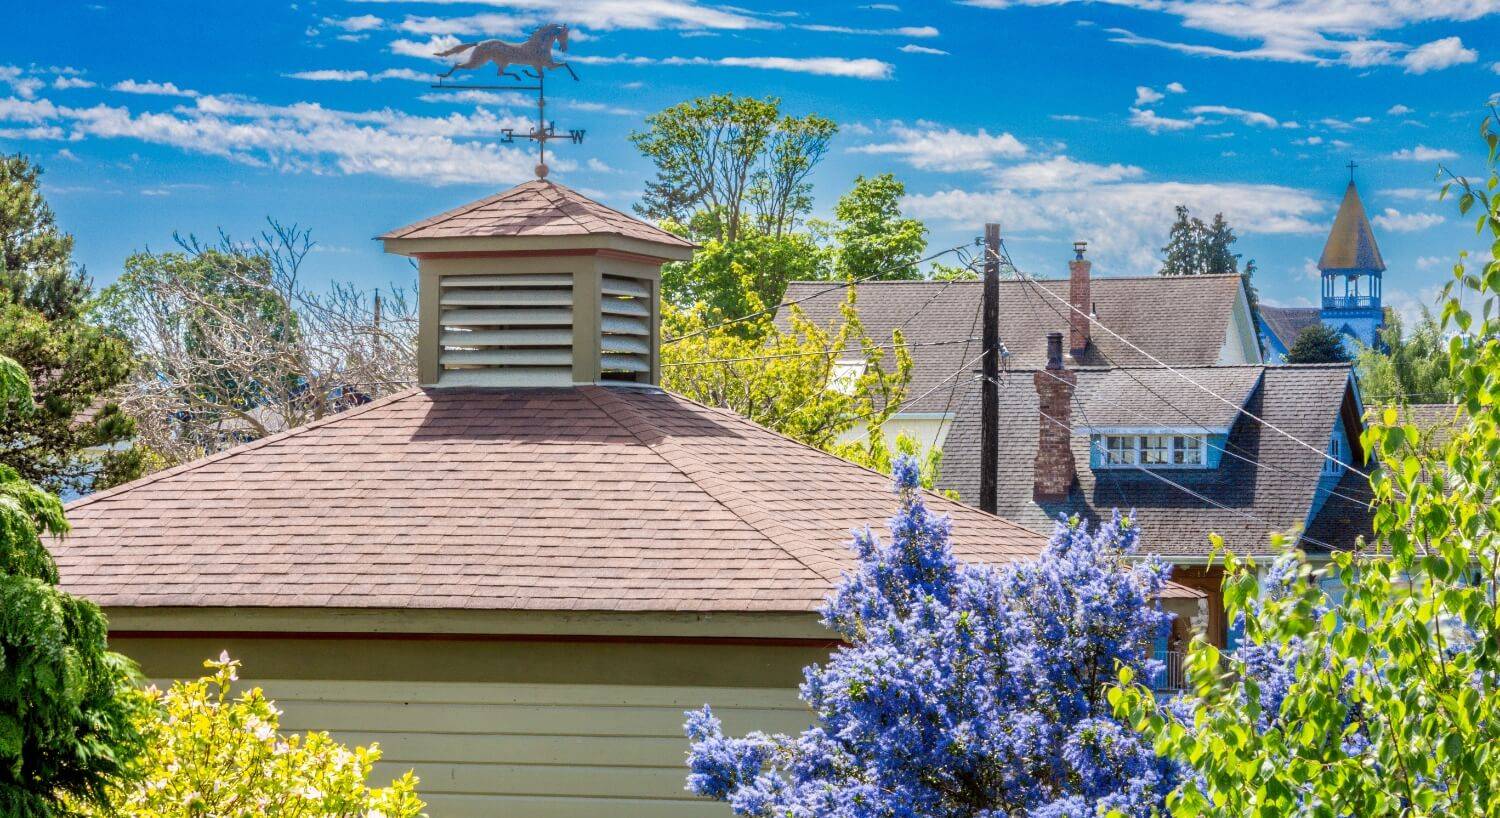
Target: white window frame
{"points": [[1153, 450]]}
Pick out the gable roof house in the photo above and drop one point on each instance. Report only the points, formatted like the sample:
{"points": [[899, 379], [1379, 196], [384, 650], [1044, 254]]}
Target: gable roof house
{"points": [[1180, 321], [1239, 451], [516, 576]]}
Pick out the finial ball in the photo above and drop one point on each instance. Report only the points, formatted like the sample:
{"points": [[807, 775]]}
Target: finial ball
{"points": [[541, 170]]}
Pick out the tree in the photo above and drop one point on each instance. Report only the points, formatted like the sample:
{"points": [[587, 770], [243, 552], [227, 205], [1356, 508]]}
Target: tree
{"points": [[718, 156], [67, 704], [72, 441], [870, 234], [1194, 248], [231, 346], [1406, 367], [1382, 699], [212, 755], [1318, 344], [723, 279], [807, 382], [963, 690]]}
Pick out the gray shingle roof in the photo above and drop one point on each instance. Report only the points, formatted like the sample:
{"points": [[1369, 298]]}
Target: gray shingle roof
{"points": [[1180, 320], [1304, 400], [1122, 399], [1286, 323]]}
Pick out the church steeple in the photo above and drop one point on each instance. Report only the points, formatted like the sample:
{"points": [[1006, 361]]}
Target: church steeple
{"points": [[1352, 266], [1351, 244]]}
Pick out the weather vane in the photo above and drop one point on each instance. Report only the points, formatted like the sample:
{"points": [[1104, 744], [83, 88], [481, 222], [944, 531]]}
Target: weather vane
{"points": [[532, 58]]}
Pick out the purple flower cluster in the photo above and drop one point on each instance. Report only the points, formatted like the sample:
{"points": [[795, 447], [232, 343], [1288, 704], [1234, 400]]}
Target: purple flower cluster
{"points": [[963, 690]]}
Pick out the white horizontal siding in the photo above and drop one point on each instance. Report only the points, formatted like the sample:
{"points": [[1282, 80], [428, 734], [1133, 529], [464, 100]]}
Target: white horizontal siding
{"points": [[533, 750]]}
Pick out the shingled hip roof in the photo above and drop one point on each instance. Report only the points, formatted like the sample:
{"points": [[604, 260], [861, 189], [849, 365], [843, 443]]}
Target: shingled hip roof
{"points": [[1181, 320], [536, 208], [580, 499]]}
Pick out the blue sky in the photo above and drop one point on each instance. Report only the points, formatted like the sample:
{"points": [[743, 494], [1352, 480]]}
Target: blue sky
{"points": [[1060, 120]]}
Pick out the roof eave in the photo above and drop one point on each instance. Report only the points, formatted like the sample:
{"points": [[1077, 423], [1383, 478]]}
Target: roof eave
{"points": [[499, 245]]}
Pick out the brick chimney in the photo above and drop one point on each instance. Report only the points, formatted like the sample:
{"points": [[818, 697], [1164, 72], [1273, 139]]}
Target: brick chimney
{"points": [[1054, 470], [1078, 297]]}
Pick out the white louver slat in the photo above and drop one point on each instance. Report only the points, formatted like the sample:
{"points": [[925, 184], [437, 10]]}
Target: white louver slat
{"points": [[625, 328], [511, 330]]}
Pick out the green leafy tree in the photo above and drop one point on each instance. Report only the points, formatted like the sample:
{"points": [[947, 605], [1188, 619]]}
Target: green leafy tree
{"points": [[1383, 699], [1194, 248], [1407, 367], [72, 441], [722, 161], [67, 704], [214, 754], [1318, 344], [871, 236], [807, 382], [723, 279]]}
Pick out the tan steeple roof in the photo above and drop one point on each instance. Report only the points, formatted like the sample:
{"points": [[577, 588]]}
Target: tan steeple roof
{"points": [[1351, 244], [534, 209]]}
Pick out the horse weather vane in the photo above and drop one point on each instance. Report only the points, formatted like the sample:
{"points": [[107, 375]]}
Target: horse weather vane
{"points": [[532, 59]]}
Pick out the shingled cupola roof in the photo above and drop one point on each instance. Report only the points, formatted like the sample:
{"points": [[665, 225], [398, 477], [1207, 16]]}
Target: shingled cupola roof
{"points": [[537, 286], [1351, 243]]}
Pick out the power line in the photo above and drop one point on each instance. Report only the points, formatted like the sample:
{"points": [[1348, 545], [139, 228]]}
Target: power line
{"points": [[899, 404], [1244, 514], [1273, 427], [1129, 372], [1206, 442], [825, 352], [840, 285]]}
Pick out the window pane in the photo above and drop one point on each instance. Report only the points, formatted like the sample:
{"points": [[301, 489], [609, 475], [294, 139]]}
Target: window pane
{"points": [[1154, 449], [1119, 449], [1187, 450]]}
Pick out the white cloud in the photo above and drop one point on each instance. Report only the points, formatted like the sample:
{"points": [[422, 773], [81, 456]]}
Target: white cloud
{"points": [[920, 32], [1310, 270], [306, 137], [929, 146], [1247, 117], [63, 83], [1429, 194], [68, 155], [164, 89], [20, 84], [862, 68], [476, 97], [1398, 110], [1062, 173], [1311, 140], [1151, 121], [1307, 31], [1145, 95], [1422, 153], [1398, 222], [921, 49], [606, 15], [1429, 262], [882, 7], [1126, 223], [363, 22], [1176, 88], [341, 75], [484, 25], [1437, 55], [428, 50]]}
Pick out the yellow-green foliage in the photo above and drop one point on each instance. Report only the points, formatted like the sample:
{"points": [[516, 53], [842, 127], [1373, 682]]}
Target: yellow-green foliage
{"points": [[211, 753]]}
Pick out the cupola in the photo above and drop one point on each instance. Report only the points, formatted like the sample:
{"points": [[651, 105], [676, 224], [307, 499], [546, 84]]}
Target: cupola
{"points": [[537, 286]]}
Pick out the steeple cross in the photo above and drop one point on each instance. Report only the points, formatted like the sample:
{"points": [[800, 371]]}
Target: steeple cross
{"points": [[1351, 166]]}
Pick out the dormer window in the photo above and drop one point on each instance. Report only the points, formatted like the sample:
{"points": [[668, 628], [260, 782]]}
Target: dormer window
{"points": [[1154, 450]]}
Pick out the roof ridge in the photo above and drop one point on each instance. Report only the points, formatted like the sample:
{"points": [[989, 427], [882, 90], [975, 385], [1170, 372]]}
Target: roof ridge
{"points": [[629, 419], [1031, 278], [930, 493], [192, 465]]}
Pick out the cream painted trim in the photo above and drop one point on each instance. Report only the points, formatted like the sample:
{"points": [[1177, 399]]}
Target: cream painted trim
{"points": [[1241, 332], [598, 241], [396, 621]]}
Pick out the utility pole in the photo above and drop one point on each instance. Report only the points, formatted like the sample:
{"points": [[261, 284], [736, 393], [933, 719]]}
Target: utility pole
{"points": [[989, 388]]}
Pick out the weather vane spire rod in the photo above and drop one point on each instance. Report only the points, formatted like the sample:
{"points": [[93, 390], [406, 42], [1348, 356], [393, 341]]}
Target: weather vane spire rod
{"points": [[534, 59]]}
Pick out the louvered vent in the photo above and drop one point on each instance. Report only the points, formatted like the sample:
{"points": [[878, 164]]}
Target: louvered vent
{"points": [[512, 330], [625, 329]]}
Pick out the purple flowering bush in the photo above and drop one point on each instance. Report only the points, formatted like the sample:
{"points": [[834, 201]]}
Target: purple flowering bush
{"points": [[962, 690]]}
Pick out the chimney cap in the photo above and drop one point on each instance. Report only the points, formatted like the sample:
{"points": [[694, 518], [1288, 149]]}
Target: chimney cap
{"points": [[1054, 350], [1078, 249]]}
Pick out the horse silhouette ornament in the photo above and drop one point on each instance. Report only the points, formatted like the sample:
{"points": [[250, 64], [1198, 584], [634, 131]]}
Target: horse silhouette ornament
{"points": [[535, 53]]}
